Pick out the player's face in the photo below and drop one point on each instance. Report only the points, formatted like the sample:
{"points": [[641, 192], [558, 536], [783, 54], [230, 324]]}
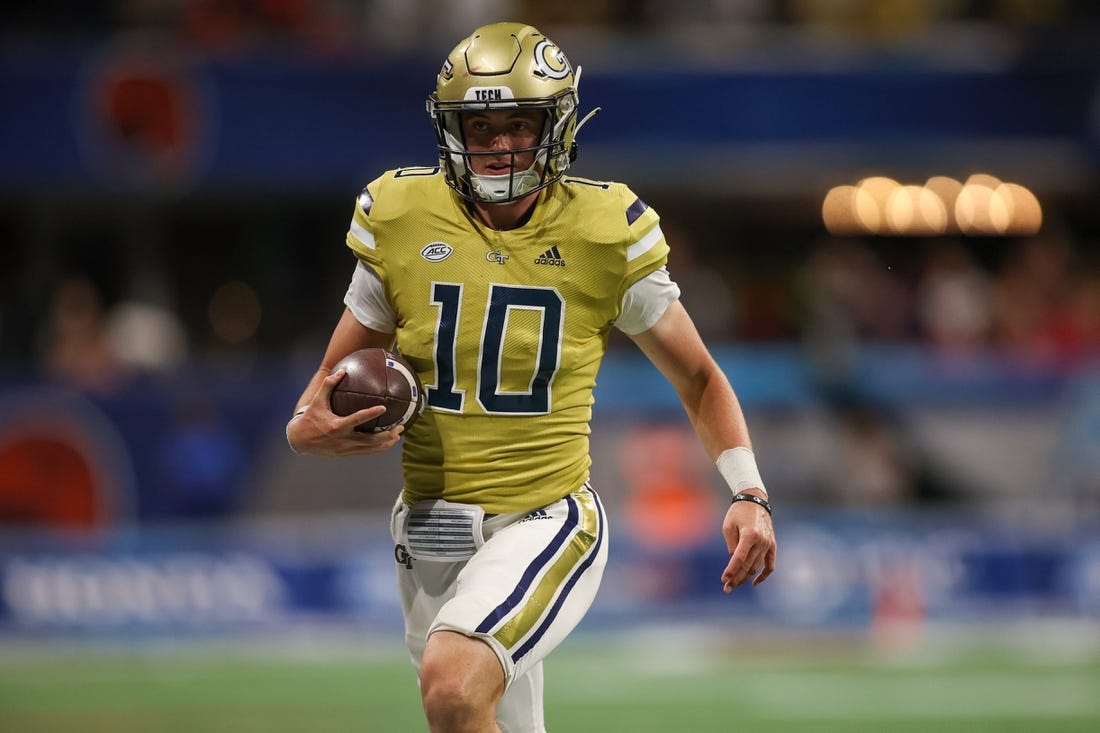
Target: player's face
{"points": [[493, 134]]}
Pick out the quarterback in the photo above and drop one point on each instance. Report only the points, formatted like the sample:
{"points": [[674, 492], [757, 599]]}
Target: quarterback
{"points": [[499, 278]]}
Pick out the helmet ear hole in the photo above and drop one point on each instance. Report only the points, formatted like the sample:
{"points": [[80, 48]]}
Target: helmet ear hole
{"points": [[573, 148]]}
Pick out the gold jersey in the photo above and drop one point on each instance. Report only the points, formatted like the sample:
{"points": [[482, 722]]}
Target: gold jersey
{"points": [[505, 328]]}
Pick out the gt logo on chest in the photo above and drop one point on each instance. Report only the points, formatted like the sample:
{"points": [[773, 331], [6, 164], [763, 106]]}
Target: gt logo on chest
{"points": [[496, 256]]}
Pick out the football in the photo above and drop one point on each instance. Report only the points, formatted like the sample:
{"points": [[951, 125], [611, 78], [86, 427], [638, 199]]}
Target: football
{"points": [[378, 377]]}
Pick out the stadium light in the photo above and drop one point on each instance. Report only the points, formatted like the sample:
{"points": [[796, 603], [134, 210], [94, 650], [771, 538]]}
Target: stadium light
{"points": [[983, 205]]}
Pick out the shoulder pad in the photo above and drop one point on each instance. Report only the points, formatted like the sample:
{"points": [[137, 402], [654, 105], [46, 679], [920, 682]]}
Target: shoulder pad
{"points": [[365, 201]]}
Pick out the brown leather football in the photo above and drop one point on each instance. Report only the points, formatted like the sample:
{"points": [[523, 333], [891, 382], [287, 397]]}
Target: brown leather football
{"points": [[378, 377]]}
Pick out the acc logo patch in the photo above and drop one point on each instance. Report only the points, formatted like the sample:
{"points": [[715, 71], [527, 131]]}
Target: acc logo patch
{"points": [[436, 251], [550, 60]]}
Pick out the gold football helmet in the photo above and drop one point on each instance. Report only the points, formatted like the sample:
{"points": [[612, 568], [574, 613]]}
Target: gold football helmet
{"points": [[503, 66]]}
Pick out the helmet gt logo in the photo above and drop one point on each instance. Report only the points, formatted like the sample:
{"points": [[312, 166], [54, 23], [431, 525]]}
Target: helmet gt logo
{"points": [[447, 72], [550, 60]]}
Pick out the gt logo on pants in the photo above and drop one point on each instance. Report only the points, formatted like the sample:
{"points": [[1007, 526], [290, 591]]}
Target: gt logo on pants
{"points": [[401, 555]]}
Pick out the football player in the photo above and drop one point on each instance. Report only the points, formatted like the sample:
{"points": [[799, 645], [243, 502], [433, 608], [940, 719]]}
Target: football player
{"points": [[499, 279]]}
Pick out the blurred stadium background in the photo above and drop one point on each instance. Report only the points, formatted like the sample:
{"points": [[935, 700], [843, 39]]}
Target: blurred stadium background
{"points": [[885, 219]]}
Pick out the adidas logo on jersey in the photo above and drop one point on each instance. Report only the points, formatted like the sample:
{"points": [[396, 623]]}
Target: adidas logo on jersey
{"points": [[537, 514], [551, 257]]}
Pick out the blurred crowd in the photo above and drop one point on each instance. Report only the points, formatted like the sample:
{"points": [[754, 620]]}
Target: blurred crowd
{"points": [[1032, 302], [1036, 299], [335, 26]]}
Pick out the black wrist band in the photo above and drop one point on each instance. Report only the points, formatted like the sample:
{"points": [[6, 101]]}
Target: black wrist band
{"points": [[754, 499]]}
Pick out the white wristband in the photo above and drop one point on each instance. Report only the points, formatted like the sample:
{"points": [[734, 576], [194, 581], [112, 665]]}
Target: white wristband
{"points": [[738, 468]]}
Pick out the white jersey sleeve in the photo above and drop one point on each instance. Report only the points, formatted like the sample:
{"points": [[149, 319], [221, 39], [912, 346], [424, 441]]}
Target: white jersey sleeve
{"points": [[646, 301], [366, 299]]}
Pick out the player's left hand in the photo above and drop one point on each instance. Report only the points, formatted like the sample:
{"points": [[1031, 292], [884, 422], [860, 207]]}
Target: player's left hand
{"points": [[750, 539]]}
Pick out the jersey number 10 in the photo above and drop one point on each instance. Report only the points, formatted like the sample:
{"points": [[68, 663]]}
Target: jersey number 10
{"points": [[442, 395]]}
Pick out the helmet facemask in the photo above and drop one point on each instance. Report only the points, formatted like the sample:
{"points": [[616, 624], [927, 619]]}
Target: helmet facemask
{"points": [[551, 153]]}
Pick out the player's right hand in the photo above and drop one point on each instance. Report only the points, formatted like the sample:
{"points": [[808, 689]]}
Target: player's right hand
{"points": [[320, 432]]}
